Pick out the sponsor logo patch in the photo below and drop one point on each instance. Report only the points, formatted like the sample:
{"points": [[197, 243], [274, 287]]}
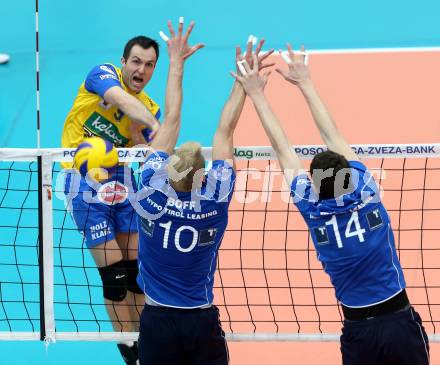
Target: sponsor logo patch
{"points": [[147, 227], [112, 193], [321, 235], [107, 69], [97, 125], [100, 230], [374, 219], [207, 236]]}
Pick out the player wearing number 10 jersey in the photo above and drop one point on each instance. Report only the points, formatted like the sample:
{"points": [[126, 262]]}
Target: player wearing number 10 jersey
{"points": [[351, 232], [183, 217]]}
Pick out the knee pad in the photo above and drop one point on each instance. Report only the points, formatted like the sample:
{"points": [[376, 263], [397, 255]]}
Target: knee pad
{"points": [[132, 272], [114, 281]]}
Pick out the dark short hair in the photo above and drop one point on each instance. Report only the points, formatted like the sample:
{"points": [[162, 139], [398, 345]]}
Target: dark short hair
{"points": [[328, 186], [142, 41]]}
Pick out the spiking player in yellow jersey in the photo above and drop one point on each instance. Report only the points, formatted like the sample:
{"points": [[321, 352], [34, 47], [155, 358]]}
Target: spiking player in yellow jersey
{"points": [[111, 104]]}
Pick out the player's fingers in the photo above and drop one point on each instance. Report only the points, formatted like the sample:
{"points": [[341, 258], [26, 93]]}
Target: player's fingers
{"points": [[246, 66], [171, 29], [180, 28], [302, 53], [259, 46], [285, 56], [265, 55], [164, 36], [238, 55], [290, 50], [194, 49], [249, 44], [241, 68], [188, 31], [237, 77], [255, 62], [266, 65], [305, 55]]}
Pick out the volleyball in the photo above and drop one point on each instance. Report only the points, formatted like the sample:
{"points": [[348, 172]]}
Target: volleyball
{"points": [[96, 158]]}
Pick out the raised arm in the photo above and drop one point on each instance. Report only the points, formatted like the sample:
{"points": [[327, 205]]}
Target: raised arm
{"points": [[222, 146], [178, 51], [223, 139], [254, 84], [299, 75]]}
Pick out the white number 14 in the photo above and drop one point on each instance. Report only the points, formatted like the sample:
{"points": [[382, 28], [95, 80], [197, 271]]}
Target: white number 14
{"points": [[358, 231]]}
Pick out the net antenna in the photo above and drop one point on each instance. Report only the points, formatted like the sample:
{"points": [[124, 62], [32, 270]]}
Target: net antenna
{"points": [[45, 218]]}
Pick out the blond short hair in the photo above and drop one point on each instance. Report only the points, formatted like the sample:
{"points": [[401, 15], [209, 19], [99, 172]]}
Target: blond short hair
{"points": [[185, 163]]}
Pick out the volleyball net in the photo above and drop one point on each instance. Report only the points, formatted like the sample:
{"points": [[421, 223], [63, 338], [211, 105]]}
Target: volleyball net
{"points": [[269, 284]]}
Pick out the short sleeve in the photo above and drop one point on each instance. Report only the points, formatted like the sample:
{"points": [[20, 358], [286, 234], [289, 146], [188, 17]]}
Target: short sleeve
{"points": [[154, 171], [146, 132], [302, 193], [220, 182], [101, 78], [365, 186]]}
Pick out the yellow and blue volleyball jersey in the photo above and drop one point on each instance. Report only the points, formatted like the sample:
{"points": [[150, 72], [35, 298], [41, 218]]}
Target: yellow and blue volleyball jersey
{"points": [[92, 116], [353, 239]]}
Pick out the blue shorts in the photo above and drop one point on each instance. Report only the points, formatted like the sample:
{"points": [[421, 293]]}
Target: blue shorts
{"points": [[171, 336], [396, 338], [101, 210]]}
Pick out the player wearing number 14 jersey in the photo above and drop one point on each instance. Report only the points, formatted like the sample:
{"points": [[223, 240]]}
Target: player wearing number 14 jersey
{"points": [[351, 231]]}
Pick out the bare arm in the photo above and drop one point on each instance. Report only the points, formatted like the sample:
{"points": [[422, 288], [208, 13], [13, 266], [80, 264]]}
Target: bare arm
{"points": [[132, 107], [222, 147], [178, 51], [254, 84], [223, 139], [289, 160], [298, 74], [167, 136]]}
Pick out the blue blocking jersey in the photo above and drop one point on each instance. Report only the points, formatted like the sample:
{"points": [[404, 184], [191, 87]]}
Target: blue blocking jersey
{"points": [[180, 233], [353, 239]]}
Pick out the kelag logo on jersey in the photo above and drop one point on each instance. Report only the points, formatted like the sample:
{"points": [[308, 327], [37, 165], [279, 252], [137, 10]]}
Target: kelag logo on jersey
{"points": [[112, 193], [99, 126]]}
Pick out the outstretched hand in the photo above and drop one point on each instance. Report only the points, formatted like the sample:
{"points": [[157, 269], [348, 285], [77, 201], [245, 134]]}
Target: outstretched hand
{"points": [[249, 65], [248, 55], [298, 71], [178, 47], [249, 77]]}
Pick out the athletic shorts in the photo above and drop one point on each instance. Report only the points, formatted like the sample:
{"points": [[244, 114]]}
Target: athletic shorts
{"points": [[101, 210], [170, 336], [396, 338]]}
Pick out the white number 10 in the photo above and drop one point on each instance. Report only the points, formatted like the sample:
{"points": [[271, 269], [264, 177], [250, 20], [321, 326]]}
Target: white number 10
{"points": [[167, 227], [358, 231]]}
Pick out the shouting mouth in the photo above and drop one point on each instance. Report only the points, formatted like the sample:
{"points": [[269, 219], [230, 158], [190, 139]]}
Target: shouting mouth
{"points": [[138, 81]]}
